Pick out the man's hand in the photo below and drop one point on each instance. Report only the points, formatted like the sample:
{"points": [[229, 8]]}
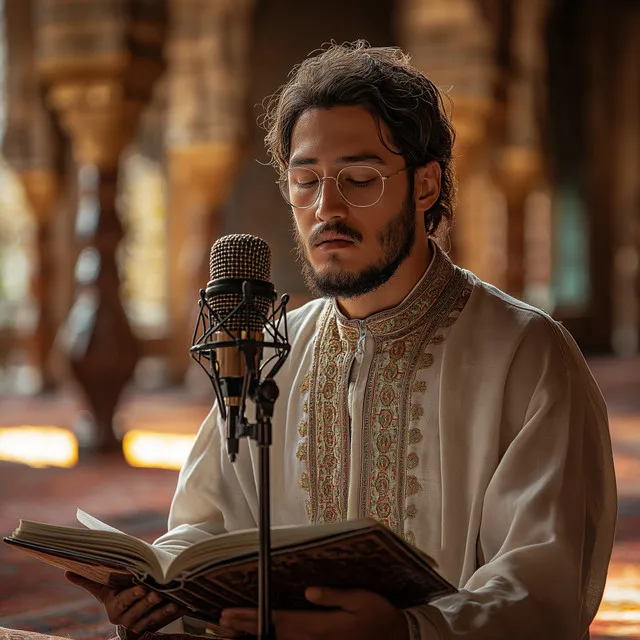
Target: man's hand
{"points": [[360, 615], [135, 608]]}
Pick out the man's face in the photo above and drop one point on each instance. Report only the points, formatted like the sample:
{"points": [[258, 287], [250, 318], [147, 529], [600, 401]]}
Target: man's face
{"points": [[348, 251]]}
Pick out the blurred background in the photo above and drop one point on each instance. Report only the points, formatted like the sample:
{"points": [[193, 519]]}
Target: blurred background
{"points": [[130, 141]]}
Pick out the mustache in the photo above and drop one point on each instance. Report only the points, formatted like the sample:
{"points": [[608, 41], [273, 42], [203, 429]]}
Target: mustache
{"points": [[336, 227]]}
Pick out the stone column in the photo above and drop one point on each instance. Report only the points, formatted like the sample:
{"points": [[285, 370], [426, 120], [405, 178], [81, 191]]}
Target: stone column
{"points": [[625, 189], [98, 61], [520, 165], [208, 67], [453, 43], [32, 148]]}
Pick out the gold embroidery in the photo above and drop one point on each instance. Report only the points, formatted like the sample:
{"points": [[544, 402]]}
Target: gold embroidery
{"points": [[413, 485], [416, 412], [426, 360], [419, 386], [401, 337], [327, 447], [413, 460], [303, 428], [306, 383], [410, 537]]}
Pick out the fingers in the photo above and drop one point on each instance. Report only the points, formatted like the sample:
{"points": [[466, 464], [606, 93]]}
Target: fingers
{"points": [[245, 620], [135, 608], [140, 610], [347, 599], [158, 617], [131, 611]]}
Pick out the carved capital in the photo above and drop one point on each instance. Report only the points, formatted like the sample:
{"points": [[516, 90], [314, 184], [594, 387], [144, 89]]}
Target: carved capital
{"points": [[453, 44], [98, 117], [99, 60], [204, 172]]}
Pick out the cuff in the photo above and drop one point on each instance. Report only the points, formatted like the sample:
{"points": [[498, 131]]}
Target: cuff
{"points": [[125, 634], [420, 627]]}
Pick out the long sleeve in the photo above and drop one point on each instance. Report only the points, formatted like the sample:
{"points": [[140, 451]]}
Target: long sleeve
{"points": [[211, 494], [549, 511]]}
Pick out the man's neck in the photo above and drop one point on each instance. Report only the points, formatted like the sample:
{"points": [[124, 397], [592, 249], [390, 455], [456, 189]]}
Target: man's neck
{"points": [[392, 292]]}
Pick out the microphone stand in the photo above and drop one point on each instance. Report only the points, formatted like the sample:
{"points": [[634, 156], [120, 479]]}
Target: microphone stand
{"points": [[265, 395]]}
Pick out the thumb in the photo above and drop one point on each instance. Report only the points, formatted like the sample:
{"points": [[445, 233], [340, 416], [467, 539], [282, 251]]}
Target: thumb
{"points": [[346, 599]]}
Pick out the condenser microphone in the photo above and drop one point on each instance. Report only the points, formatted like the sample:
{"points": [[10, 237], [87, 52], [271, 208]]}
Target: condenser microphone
{"points": [[239, 295]]}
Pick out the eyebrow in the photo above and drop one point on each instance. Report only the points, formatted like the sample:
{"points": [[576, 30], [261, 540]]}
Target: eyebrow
{"points": [[360, 157]]}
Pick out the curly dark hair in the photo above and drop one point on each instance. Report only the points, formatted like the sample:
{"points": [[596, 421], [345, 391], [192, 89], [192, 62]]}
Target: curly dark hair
{"points": [[382, 80]]}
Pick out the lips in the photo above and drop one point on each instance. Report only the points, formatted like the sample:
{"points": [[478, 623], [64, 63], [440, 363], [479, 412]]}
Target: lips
{"points": [[327, 240]]}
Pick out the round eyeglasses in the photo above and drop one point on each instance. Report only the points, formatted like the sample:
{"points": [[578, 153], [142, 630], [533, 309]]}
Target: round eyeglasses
{"points": [[359, 186]]}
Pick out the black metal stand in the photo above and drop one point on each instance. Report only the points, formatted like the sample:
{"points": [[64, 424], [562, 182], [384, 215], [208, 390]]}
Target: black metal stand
{"points": [[265, 396], [264, 393]]}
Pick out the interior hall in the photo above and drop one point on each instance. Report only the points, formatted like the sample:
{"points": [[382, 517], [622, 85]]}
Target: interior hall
{"points": [[131, 139]]}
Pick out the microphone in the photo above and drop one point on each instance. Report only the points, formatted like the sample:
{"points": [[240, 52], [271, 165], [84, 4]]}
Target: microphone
{"points": [[238, 319]]}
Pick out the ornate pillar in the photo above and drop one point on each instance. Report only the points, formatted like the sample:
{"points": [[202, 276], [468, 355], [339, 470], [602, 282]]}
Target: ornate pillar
{"points": [[520, 162], [32, 147], [453, 43], [625, 189], [208, 116], [99, 61]]}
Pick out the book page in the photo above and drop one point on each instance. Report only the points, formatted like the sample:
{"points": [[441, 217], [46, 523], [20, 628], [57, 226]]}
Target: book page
{"points": [[90, 543], [164, 558], [238, 543]]}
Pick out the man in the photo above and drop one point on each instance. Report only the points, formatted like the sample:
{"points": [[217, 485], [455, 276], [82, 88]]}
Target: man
{"points": [[464, 420]]}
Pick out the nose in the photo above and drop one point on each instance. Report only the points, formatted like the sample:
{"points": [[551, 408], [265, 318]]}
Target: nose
{"points": [[331, 204]]}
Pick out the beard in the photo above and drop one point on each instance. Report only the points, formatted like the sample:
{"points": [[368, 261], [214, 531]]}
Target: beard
{"points": [[396, 239]]}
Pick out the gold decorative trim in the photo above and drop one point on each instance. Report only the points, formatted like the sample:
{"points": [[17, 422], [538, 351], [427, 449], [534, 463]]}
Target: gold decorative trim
{"points": [[306, 383], [426, 360], [328, 437], [413, 486], [416, 412], [419, 386], [402, 337], [413, 460]]}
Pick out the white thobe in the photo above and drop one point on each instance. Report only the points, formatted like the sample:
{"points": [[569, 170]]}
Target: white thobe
{"points": [[470, 425]]}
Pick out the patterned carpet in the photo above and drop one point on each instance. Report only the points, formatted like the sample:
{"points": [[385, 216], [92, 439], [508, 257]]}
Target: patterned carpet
{"points": [[35, 596]]}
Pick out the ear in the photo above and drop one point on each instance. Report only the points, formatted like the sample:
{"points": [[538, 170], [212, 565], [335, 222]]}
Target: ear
{"points": [[427, 185]]}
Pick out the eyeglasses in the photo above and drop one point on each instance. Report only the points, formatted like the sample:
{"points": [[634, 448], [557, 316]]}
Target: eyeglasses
{"points": [[359, 186]]}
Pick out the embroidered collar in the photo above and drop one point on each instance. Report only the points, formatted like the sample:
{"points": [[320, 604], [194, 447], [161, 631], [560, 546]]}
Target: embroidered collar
{"points": [[412, 310]]}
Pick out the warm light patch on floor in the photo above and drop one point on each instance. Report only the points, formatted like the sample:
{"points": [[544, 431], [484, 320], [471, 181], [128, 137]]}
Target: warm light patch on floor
{"points": [[619, 613], [157, 450], [39, 446]]}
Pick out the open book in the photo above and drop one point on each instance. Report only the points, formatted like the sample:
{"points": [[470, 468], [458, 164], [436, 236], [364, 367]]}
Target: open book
{"points": [[222, 571]]}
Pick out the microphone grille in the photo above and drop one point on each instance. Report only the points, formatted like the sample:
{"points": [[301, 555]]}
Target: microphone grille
{"points": [[240, 255], [243, 257]]}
